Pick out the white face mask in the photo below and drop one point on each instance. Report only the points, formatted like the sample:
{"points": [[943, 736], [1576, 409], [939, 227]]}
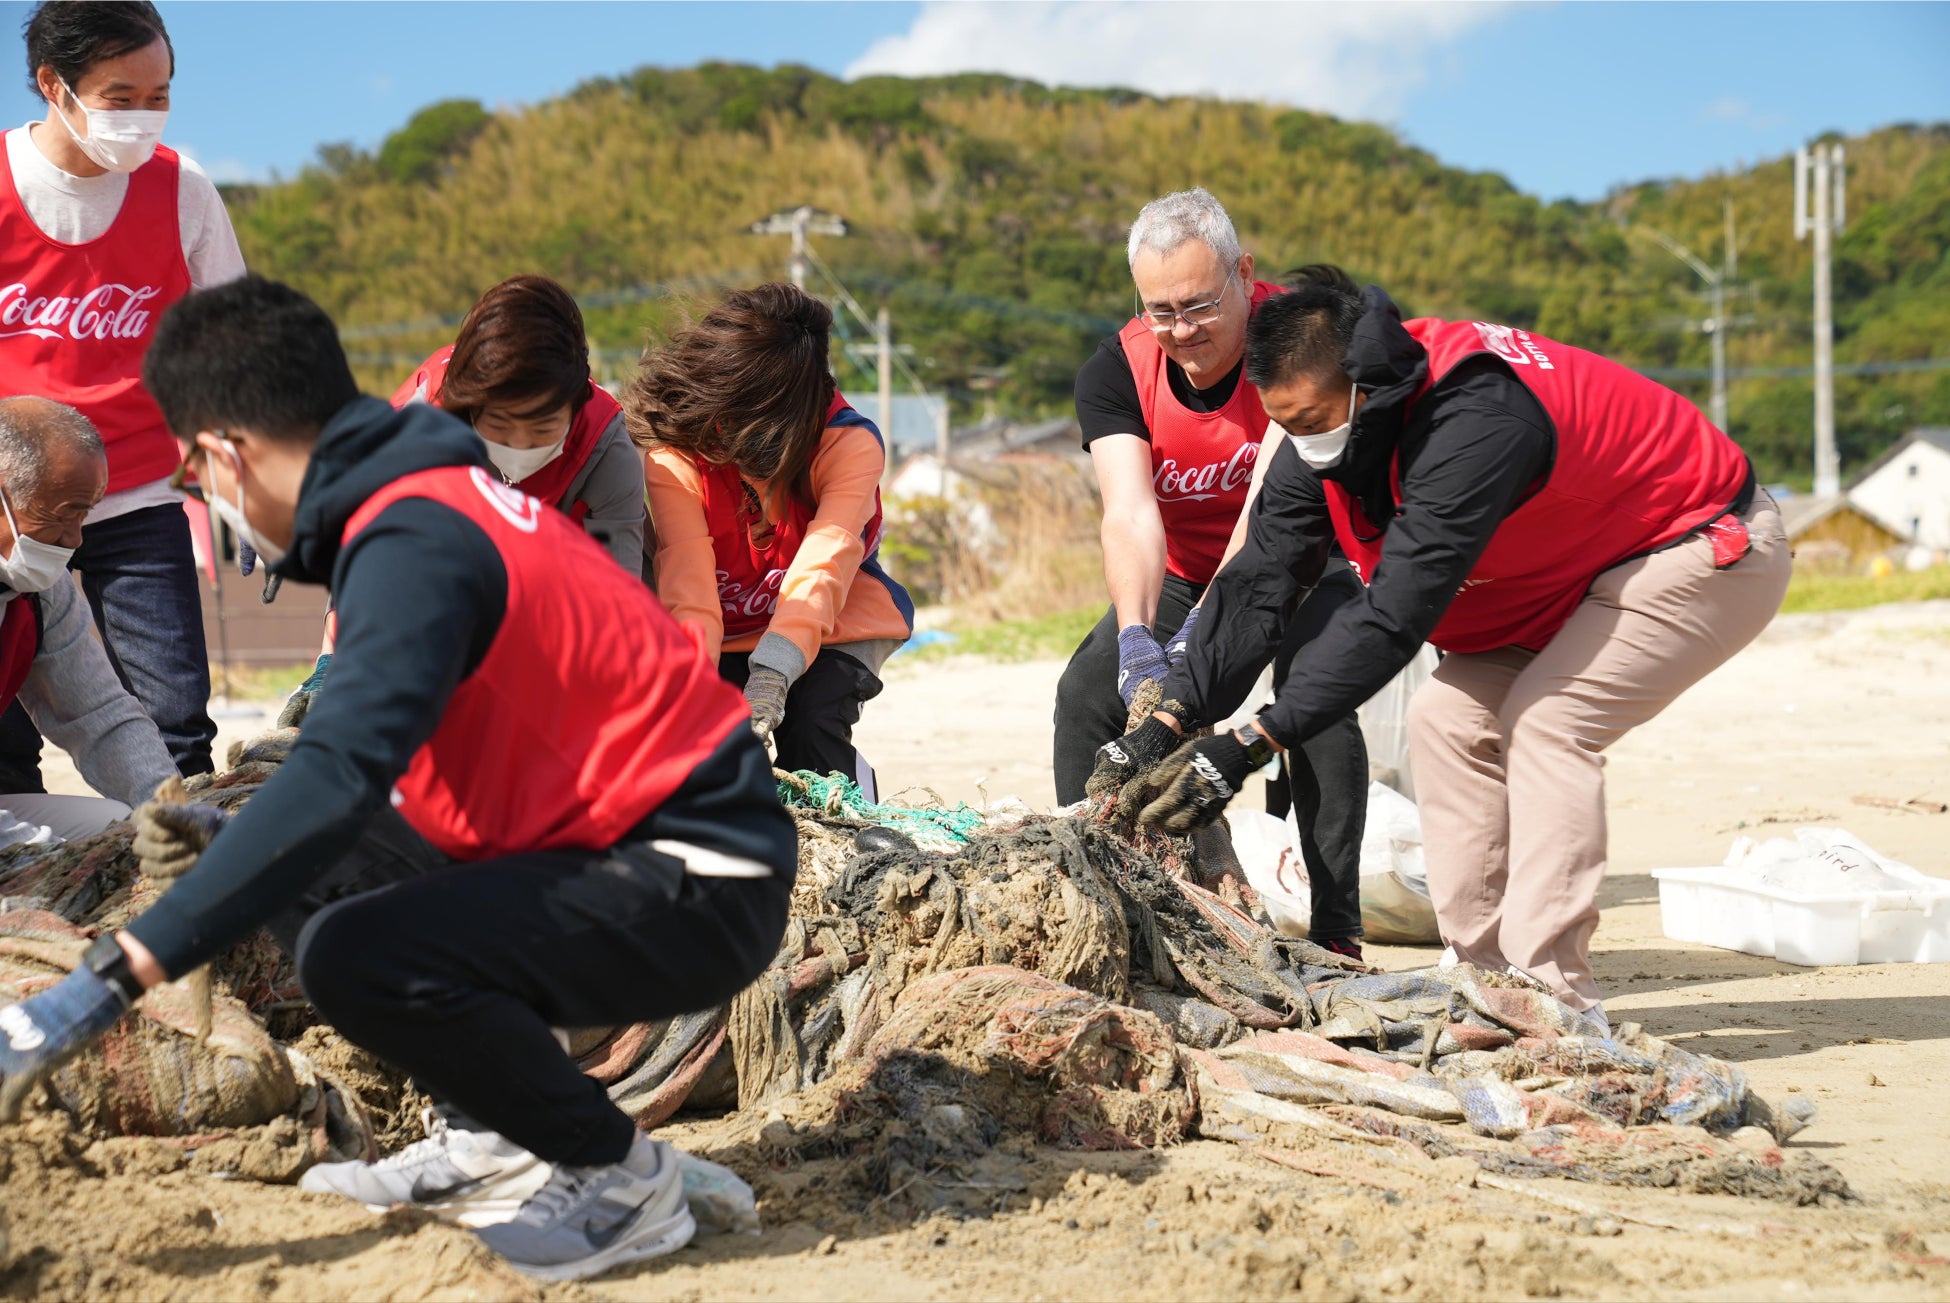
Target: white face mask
{"points": [[34, 566], [517, 464], [120, 140], [1321, 451], [232, 514]]}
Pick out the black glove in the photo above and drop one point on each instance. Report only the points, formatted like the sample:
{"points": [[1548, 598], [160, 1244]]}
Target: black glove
{"points": [[1129, 756], [1196, 782], [45, 1031]]}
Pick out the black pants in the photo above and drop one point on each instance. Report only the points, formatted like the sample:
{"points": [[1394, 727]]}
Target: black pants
{"points": [[820, 710], [455, 973], [138, 572], [1327, 776]]}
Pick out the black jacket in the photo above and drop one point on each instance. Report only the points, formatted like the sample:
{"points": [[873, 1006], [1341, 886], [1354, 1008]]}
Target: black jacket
{"points": [[421, 593], [1471, 451]]}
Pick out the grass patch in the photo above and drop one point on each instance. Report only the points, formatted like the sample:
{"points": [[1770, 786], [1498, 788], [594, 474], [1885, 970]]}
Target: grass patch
{"points": [[1043, 637], [259, 682], [1809, 592]]}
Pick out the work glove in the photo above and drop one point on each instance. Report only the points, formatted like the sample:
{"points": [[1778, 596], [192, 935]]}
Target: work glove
{"points": [[1195, 783], [46, 1030], [246, 557], [169, 837], [765, 691], [1139, 657], [298, 704], [1175, 648], [1130, 757]]}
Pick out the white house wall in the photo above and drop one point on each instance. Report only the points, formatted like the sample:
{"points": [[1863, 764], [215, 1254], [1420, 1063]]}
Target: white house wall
{"points": [[1910, 494]]}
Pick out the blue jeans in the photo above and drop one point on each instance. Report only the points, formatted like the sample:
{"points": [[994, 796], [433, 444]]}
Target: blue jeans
{"points": [[138, 572]]}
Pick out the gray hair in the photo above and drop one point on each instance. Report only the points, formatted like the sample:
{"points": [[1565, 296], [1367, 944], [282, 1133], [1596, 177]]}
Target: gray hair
{"points": [[1194, 214], [29, 427]]}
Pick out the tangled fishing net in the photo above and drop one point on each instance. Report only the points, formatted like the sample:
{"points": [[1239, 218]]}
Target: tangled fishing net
{"points": [[949, 983]]}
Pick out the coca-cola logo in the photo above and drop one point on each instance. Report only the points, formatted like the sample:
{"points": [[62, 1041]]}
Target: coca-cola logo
{"points": [[747, 600], [112, 311], [516, 507], [1200, 483]]}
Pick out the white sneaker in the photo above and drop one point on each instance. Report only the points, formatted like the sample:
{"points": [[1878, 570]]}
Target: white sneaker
{"points": [[474, 1178], [586, 1220]]}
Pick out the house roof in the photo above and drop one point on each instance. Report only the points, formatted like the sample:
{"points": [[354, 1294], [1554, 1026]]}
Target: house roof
{"points": [[1937, 436]]}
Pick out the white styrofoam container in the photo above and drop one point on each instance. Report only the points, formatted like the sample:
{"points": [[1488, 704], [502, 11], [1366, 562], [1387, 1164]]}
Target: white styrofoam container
{"points": [[1736, 912]]}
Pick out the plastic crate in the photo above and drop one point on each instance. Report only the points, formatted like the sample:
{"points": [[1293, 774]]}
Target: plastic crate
{"points": [[1716, 907]]}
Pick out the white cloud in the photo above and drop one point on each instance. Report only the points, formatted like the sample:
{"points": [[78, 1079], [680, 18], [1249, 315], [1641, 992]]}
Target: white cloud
{"points": [[1731, 108], [1354, 60], [223, 171]]}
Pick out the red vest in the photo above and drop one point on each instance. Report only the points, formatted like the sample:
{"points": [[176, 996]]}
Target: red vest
{"points": [[20, 642], [590, 708], [1201, 462], [550, 483], [76, 319], [752, 564], [1637, 467]]}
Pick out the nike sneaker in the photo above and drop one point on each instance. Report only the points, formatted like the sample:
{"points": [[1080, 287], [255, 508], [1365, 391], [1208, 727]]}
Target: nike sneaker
{"points": [[586, 1220], [474, 1178]]}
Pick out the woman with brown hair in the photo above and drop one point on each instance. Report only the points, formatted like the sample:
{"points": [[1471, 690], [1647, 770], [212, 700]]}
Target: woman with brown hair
{"points": [[765, 486], [518, 373]]}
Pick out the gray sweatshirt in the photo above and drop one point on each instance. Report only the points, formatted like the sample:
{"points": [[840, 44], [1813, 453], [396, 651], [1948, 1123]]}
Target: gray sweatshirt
{"points": [[611, 482], [78, 703]]}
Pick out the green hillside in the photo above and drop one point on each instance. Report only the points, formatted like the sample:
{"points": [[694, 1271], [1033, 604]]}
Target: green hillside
{"points": [[988, 214]]}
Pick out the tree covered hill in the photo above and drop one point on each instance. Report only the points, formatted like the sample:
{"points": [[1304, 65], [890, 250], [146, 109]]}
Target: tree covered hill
{"points": [[988, 214]]}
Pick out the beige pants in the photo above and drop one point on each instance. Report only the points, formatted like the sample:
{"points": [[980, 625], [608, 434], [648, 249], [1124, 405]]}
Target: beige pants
{"points": [[1508, 747]]}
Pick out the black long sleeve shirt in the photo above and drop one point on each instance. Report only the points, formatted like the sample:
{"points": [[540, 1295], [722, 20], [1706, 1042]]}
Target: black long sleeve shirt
{"points": [[1471, 451]]}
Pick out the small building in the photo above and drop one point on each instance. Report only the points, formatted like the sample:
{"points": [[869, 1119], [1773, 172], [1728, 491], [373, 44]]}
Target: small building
{"points": [[1907, 490], [1831, 534]]}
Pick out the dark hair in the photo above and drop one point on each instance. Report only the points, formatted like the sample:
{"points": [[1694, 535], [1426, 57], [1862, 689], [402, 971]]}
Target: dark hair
{"points": [[249, 353], [1305, 331], [522, 346], [747, 385], [72, 36]]}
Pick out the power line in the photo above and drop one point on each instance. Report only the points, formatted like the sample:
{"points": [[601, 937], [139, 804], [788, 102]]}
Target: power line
{"points": [[1796, 372]]}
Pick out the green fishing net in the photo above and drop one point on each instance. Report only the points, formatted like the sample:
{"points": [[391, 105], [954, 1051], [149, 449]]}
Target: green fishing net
{"points": [[836, 797]]}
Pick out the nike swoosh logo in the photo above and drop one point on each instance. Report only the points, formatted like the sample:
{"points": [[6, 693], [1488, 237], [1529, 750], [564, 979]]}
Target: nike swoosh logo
{"points": [[601, 1237], [425, 1193]]}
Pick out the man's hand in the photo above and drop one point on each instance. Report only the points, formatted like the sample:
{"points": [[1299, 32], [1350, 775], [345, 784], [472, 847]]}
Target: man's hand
{"points": [[44, 1032], [169, 837], [1195, 783], [1130, 756], [1139, 657], [298, 704], [765, 690]]}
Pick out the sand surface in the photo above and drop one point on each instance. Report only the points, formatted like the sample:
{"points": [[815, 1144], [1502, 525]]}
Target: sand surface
{"points": [[1821, 710]]}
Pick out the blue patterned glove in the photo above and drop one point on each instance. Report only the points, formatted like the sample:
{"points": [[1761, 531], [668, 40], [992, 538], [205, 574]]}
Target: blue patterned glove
{"points": [[46, 1030], [1175, 649], [1139, 657]]}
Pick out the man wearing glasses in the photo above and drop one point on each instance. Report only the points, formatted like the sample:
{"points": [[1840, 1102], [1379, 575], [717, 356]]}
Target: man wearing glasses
{"points": [[1174, 433]]}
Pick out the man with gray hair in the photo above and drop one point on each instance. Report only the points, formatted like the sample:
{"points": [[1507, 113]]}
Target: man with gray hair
{"points": [[52, 473], [1175, 435]]}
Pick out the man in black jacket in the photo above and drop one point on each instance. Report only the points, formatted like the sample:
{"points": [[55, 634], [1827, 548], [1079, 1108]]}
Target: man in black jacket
{"points": [[1580, 541]]}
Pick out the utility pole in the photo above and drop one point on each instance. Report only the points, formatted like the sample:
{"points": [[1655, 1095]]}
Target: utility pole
{"points": [[799, 223], [883, 338], [1717, 324], [1820, 183]]}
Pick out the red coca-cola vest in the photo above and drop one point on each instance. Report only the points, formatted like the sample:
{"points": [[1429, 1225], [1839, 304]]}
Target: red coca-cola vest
{"points": [[76, 319], [751, 561], [1201, 462], [590, 708], [1636, 467], [20, 642], [551, 483]]}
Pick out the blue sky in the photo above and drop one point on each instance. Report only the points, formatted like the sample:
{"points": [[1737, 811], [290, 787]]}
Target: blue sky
{"points": [[1564, 99]]}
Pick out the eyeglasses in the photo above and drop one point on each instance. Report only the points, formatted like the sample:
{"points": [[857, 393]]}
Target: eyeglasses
{"points": [[1165, 320], [185, 471]]}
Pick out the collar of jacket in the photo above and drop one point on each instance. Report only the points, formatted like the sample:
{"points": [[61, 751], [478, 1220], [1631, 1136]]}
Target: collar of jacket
{"points": [[1390, 367], [364, 447]]}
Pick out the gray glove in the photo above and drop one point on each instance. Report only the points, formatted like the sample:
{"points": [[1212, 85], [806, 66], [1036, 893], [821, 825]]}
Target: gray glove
{"points": [[765, 690], [169, 837]]}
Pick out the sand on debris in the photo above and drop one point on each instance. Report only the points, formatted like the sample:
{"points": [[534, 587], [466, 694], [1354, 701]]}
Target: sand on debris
{"points": [[1822, 710]]}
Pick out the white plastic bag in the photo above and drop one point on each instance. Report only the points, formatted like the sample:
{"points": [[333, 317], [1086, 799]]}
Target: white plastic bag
{"points": [[1269, 852], [719, 1199], [1384, 723], [1824, 862]]}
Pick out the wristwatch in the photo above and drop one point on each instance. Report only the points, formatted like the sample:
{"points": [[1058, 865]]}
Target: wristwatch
{"points": [[106, 959], [1259, 749]]}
